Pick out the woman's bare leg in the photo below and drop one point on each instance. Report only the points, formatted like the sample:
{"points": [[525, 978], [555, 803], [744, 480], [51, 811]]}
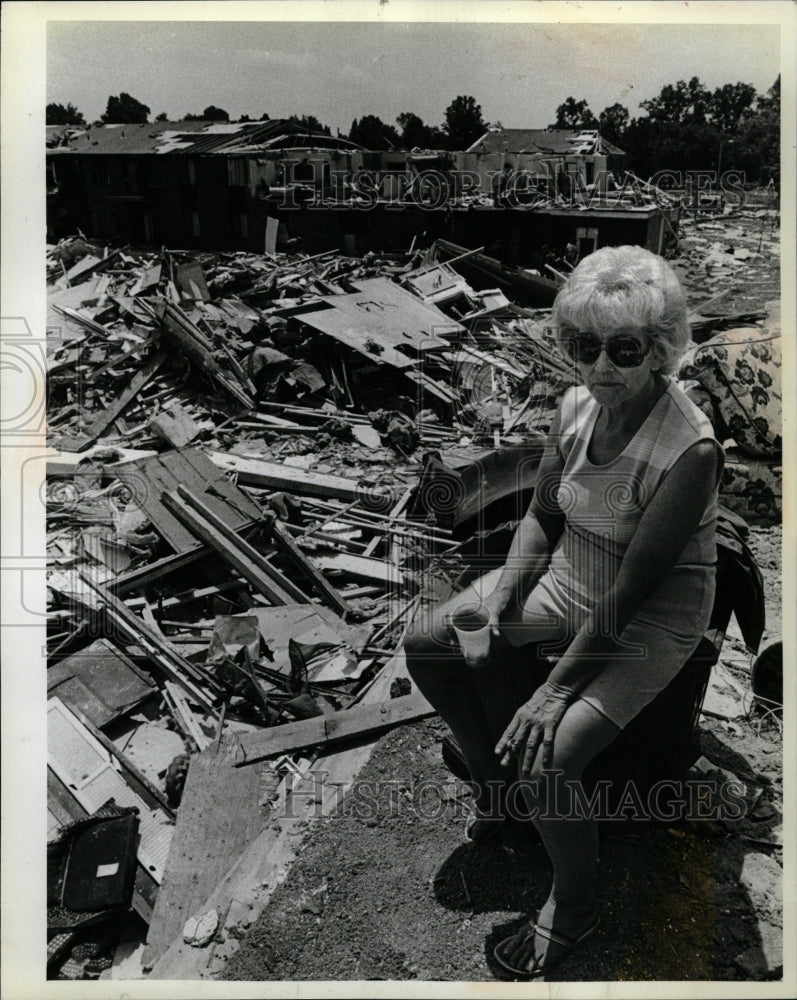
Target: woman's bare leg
{"points": [[477, 704], [571, 841]]}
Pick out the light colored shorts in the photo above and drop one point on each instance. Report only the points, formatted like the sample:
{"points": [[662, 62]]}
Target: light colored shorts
{"points": [[649, 658]]}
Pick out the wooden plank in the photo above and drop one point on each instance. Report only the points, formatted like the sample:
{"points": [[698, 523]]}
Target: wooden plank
{"points": [[271, 476], [397, 510], [196, 346], [195, 470], [144, 575], [331, 730], [205, 838], [157, 649], [148, 478], [243, 557], [99, 682], [80, 442], [288, 547], [67, 464], [252, 877], [175, 425], [184, 716], [362, 567]]}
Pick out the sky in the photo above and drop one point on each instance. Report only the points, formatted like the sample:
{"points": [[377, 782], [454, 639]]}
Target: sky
{"points": [[518, 73]]}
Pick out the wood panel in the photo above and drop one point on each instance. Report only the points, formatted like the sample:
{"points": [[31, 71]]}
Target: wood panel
{"points": [[148, 478], [219, 816]]}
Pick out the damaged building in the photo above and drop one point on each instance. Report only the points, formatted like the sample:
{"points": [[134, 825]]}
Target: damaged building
{"points": [[520, 194]]}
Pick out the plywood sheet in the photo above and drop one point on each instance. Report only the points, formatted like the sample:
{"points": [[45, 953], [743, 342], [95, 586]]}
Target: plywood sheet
{"points": [[100, 682], [220, 814], [384, 322]]}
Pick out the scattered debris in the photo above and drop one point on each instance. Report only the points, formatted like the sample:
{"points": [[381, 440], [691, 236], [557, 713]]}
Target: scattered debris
{"points": [[200, 931], [263, 466]]}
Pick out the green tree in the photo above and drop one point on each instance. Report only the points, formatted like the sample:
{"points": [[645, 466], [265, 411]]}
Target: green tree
{"points": [[652, 146], [755, 148], [214, 114], [729, 104], [769, 103], [372, 133], [684, 102], [57, 114], [162, 117], [311, 123], [414, 133], [574, 114], [612, 123], [463, 122], [125, 110]]}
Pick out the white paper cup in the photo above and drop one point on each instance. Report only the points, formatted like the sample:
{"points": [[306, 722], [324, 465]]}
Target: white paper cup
{"points": [[471, 624]]}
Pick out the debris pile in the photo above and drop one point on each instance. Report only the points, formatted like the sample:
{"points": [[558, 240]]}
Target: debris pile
{"points": [[237, 537], [263, 467]]}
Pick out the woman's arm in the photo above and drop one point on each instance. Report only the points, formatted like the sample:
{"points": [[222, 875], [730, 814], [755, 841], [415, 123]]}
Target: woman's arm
{"points": [[669, 521]]}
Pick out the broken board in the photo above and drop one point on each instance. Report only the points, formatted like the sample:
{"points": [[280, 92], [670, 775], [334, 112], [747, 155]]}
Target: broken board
{"points": [[100, 682], [328, 731], [384, 322], [273, 476], [148, 478], [220, 815], [248, 884]]}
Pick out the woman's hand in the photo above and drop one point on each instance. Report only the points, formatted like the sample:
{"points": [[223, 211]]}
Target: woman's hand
{"points": [[496, 603], [533, 724]]}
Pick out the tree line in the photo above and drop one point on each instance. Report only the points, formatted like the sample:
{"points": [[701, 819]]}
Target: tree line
{"points": [[686, 127], [463, 123]]}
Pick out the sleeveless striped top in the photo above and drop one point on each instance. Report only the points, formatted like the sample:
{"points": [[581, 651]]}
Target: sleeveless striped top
{"points": [[603, 505]]}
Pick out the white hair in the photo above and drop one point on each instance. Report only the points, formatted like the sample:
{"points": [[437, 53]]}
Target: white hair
{"points": [[626, 287]]}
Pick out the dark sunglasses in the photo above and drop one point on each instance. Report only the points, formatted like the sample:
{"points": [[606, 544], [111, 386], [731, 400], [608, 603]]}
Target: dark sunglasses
{"points": [[625, 352]]}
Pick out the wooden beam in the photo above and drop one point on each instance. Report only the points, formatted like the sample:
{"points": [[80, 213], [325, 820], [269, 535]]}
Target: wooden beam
{"points": [[271, 476], [362, 567], [207, 835], [242, 556], [252, 877], [80, 442], [157, 649], [178, 328], [288, 547], [394, 513], [332, 730]]}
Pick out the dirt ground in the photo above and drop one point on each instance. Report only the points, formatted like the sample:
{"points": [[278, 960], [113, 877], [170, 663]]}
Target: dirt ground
{"points": [[388, 888]]}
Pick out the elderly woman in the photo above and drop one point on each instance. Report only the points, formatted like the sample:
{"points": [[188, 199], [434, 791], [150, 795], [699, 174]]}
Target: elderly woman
{"points": [[612, 569]]}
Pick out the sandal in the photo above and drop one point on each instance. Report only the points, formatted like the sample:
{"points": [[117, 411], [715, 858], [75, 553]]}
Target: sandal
{"points": [[532, 929], [482, 829]]}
